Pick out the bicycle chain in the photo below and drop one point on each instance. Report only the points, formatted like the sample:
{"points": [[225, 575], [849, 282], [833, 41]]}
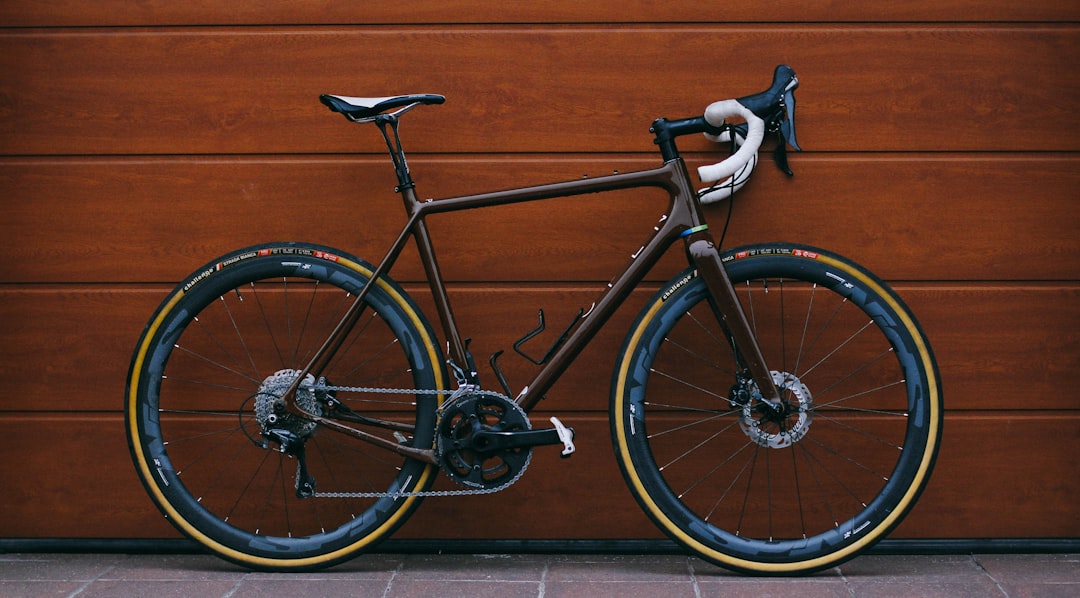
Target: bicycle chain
{"points": [[461, 391]]}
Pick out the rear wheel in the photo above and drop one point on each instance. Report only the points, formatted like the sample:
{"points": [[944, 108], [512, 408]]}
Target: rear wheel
{"points": [[218, 457], [812, 482]]}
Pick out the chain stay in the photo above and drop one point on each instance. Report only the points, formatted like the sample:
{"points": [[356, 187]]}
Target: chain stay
{"points": [[460, 391]]}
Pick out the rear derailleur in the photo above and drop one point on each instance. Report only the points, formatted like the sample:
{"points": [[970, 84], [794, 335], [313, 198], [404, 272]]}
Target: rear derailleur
{"points": [[293, 445], [290, 432]]}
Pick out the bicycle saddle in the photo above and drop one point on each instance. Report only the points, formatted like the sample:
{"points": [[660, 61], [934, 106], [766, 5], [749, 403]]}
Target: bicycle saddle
{"points": [[364, 108]]}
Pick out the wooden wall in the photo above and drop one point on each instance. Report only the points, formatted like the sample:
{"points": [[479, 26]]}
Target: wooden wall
{"points": [[138, 140]]}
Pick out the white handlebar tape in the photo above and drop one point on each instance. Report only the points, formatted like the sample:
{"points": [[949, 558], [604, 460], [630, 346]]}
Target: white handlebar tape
{"points": [[715, 115]]}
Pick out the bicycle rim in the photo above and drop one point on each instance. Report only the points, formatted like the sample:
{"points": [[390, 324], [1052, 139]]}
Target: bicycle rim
{"points": [[766, 492], [200, 393]]}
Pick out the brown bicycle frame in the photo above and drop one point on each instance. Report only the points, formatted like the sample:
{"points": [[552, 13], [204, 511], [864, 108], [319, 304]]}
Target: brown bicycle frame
{"points": [[683, 220]]}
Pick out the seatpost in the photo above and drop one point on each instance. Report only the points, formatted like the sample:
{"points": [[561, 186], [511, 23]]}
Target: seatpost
{"points": [[397, 154]]}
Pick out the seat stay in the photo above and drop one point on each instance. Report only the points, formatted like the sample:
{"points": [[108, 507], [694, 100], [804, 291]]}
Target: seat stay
{"points": [[358, 109]]}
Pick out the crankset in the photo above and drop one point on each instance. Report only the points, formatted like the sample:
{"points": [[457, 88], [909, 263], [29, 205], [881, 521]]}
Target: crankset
{"points": [[485, 440]]}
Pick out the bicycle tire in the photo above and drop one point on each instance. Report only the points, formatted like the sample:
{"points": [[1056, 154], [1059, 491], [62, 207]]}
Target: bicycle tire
{"points": [[796, 492], [201, 378]]}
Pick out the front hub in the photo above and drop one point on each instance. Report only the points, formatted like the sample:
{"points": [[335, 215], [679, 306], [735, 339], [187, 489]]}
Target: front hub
{"points": [[778, 426]]}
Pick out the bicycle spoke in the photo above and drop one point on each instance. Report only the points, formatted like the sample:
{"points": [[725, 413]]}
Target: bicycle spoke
{"points": [[693, 448], [220, 476], [825, 326], [687, 426], [230, 414], [806, 327], [239, 335], [269, 329], [708, 450], [689, 385], [864, 393], [216, 342], [798, 493], [850, 460], [231, 511], [865, 327], [288, 319], [331, 314], [802, 450], [709, 474], [354, 339], [226, 458], [334, 481], [286, 489], [206, 383], [875, 437], [375, 355], [746, 497], [719, 342], [202, 436], [768, 493], [214, 363], [306, 319], [709, 362], [734, 480], [782, 333]]}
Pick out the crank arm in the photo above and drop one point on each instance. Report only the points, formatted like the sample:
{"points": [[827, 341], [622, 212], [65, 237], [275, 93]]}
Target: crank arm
{"points": [[486, 441]]}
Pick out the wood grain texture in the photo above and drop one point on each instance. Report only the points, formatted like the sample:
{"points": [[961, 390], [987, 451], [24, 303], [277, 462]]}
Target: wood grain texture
{"points": [[532, 88], [42, 476], [139, 140], [949, 217], [72, 13], [977, 331]]}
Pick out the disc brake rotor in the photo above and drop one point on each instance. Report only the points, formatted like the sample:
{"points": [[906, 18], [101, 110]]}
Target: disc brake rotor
{"points": [[779, 428]]}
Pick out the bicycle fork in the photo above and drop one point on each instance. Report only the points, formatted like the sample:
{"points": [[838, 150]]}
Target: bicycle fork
{"points": [[705, 256]]}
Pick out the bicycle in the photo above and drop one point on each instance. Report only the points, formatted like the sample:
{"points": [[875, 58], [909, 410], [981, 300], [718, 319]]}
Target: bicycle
{"points": [[775, 408]]}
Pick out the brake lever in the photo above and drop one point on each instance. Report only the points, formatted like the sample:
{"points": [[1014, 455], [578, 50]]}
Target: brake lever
{"points": [[786, 134], [787, 128], [780, 156]]}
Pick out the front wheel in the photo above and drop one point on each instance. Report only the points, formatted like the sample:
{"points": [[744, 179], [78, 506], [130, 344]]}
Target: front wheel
{"points": [[788, 489], [258, 486]]}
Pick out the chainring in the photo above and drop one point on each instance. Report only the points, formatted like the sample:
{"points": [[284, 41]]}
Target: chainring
{"points": [[460, 457]]}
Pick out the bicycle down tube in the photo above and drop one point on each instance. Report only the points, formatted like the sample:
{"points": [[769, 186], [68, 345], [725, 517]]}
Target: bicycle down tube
{"points": [[682, 220]]}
